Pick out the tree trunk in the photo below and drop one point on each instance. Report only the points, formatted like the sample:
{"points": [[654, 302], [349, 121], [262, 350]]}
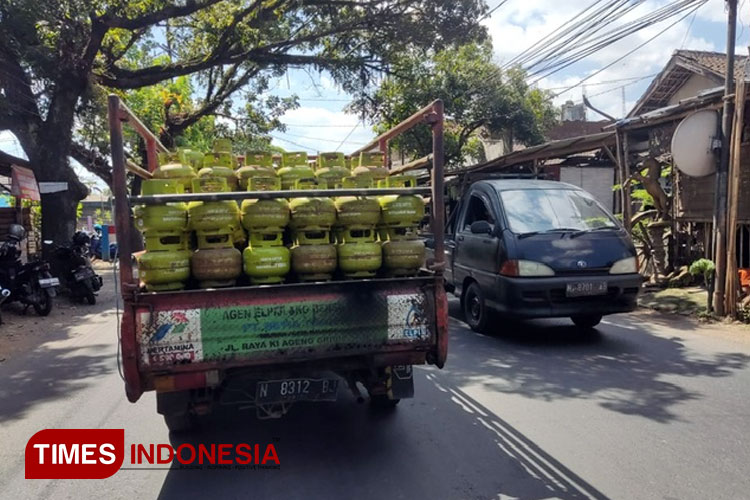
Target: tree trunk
{"points": [[49, 157]]}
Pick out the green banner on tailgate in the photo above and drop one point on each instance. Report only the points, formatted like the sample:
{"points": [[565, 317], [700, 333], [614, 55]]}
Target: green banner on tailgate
{"points": [[345, 323], [293, 326]]}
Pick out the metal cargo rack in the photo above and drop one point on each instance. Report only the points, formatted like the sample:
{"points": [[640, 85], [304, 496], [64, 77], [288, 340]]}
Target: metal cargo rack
{"points": [[139, 304]]}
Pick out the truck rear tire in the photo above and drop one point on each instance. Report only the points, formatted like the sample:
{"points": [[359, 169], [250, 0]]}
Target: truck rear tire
{"points": [[382, 403]]}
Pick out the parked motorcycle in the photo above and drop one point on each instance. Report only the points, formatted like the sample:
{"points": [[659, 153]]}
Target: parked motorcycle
{"points": [[30, 284], [4, 294], [77, 274], [96, 245]]}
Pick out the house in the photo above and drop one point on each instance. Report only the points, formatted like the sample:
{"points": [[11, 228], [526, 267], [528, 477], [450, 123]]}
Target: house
{"points": [[687, 74]]}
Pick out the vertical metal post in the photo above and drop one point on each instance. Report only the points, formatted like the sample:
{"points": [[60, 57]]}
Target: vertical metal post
{"points": [[151, 156], [438, 204], [720, 199], [622, 158], [122, 209]]}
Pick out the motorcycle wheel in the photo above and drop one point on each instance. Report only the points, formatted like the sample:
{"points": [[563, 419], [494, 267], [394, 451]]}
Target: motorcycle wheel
{"points": [[90, 298], [44, 306]]}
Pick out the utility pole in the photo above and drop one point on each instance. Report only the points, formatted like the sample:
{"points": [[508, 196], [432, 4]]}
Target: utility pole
{"points": [[624, 111], [720, 199]]}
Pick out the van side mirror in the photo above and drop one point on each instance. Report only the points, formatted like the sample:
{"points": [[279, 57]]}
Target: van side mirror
{"points": [[481, 227]]}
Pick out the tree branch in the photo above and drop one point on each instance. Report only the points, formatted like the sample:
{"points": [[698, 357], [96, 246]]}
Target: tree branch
{"points": [[92, 161], [175, 124], [169, 12]]}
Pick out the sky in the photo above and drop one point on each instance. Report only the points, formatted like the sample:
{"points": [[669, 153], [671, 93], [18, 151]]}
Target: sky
{"points": [[320, 123]]}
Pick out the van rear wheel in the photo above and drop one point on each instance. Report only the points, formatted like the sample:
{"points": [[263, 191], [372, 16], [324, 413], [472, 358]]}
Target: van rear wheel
{"points": [[475, 309], [586, 320]]}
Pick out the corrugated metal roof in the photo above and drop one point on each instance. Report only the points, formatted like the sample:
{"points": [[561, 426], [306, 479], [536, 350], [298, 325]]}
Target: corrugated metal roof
{"points": [[548, 150]]}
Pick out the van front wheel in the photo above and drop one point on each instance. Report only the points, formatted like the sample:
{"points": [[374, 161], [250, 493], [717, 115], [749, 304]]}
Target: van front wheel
{"points": [[586, 320], [475, 309]]}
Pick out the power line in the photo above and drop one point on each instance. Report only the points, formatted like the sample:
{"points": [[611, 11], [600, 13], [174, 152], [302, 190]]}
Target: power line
{"points": [[293, 143], [318, 125], [631, 51], [347, 136], [490, 12], [585, 48], [606, 82], [321, 139]]}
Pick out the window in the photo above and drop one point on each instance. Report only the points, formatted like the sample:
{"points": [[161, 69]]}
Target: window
{"points": [[476, 211], [530, 210]]}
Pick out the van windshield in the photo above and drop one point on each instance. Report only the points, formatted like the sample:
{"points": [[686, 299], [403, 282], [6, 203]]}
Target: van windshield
{"points": [[539, 210]]}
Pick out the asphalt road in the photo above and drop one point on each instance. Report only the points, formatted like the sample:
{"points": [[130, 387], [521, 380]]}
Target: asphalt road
{"points": [[648, 406]]}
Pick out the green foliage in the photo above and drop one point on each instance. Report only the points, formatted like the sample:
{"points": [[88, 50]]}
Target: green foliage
{"points": [[642, 195], [104, 217], [703, 267], [183, 65], [478, 97]]}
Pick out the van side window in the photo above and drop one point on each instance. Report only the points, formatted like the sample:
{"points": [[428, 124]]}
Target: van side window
{"points": [[476, 211]]}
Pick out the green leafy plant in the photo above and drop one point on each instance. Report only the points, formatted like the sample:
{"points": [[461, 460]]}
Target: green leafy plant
{"points": [[705, 268]]}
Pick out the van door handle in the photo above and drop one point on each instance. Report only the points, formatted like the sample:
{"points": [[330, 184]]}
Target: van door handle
{"points": [[460, 238]]}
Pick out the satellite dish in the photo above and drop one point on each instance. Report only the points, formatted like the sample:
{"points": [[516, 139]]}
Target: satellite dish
{"points": [[692, 144]]}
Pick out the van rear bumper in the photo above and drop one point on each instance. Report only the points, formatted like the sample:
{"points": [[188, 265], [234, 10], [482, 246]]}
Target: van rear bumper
{"points": [[546, 297]]}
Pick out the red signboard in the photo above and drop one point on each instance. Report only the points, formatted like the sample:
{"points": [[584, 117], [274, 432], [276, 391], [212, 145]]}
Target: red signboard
{"points": [[23, 184]]}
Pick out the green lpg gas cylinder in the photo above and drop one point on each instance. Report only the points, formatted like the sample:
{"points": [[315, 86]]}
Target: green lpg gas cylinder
{"points": [[265, 215], [212, 215], [163, 271], [374, 163], [219, 165], [174, 166], [170, 217], [222, 145], [359, 255], [402, 210], [357, 211], [158, 241], [294, 166], [250, 170], [266, 259], [403, 253], [311, 213], [331, 169]]}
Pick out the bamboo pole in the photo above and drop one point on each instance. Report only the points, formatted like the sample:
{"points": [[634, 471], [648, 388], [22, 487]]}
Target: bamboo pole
{"points": [[731, 285]]}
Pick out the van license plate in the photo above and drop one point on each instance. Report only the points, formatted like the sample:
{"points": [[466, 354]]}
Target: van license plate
{"points": [[296, 389], [585, 288]]}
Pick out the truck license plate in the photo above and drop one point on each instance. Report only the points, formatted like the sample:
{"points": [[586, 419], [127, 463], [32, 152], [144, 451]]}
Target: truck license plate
{"points": [[296, 389], [585, 288]]}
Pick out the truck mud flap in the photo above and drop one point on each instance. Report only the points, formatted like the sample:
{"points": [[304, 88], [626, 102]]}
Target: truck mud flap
{"points": [[400, 382]]}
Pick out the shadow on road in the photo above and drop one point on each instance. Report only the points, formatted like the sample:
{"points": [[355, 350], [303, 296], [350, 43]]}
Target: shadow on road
{"points": [[620, 364], [45, 365], [443, 444]]}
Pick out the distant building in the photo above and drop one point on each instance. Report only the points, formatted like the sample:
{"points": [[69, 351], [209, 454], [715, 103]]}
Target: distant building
{"points": [[570, 112]]}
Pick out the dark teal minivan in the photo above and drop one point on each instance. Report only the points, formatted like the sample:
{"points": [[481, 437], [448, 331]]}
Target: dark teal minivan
{"points": [[538, 249]]}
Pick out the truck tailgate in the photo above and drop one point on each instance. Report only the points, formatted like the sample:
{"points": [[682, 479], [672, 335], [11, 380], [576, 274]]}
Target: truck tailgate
{"points": [[298, 322]]}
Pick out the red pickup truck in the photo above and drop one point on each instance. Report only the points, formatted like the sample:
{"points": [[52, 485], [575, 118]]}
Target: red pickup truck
{"points": [[268, 346]]}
